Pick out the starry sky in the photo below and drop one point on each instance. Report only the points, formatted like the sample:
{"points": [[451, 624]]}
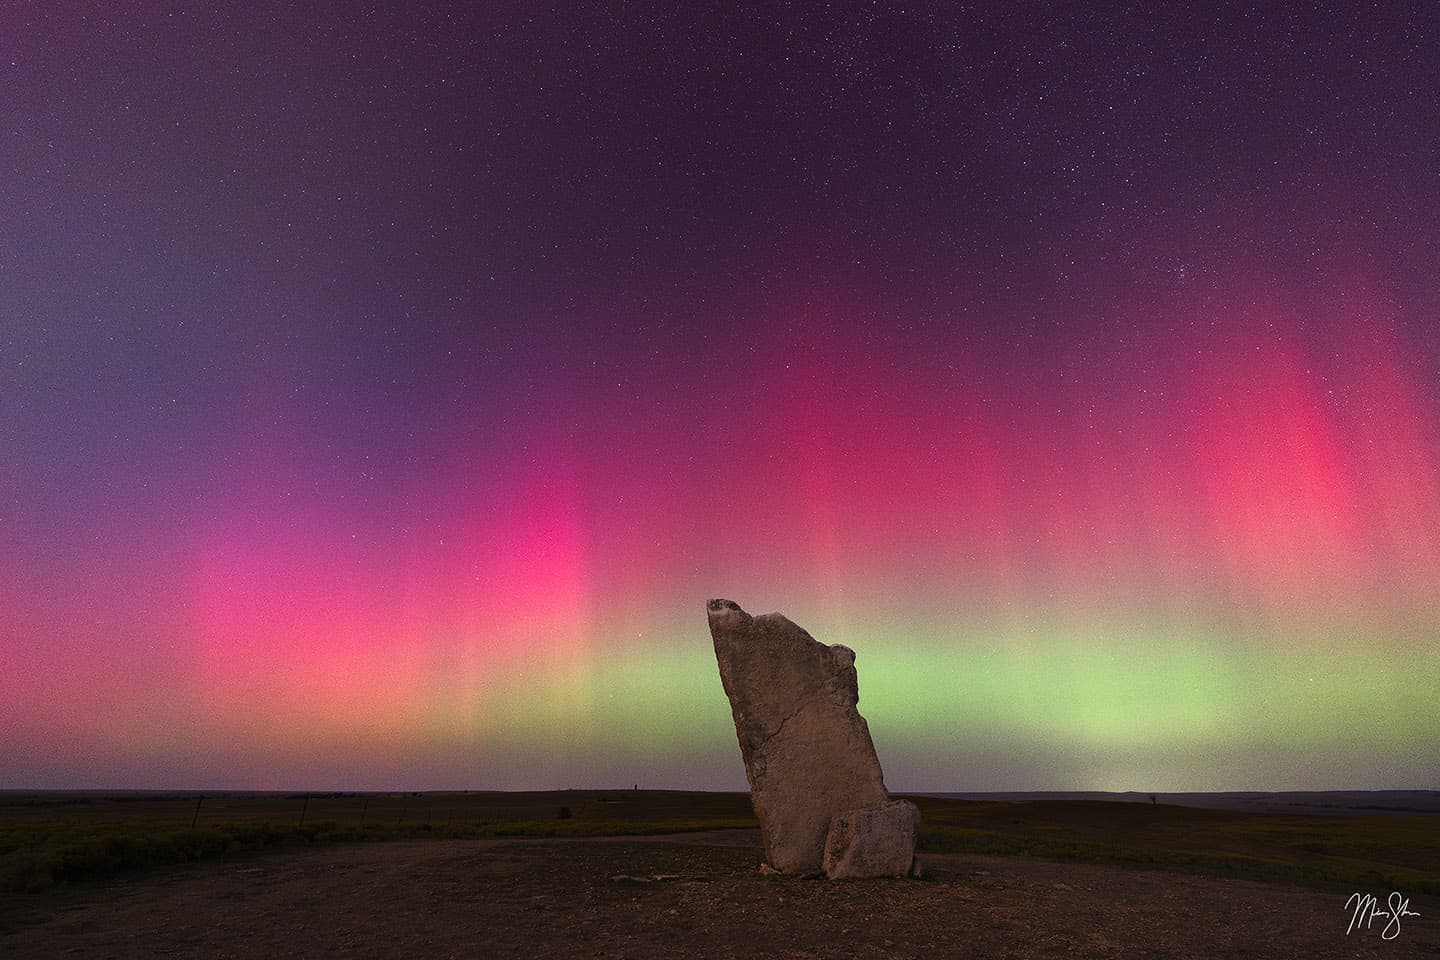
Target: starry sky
{"points": [[385, 388]]}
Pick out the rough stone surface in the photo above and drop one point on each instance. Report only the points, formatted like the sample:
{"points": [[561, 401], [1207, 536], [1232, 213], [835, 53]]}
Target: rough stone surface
{"points": [[874, 842], [807, 751]]}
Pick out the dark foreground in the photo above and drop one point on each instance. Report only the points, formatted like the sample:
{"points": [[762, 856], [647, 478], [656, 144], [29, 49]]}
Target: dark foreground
{"points": [[692, 895]]}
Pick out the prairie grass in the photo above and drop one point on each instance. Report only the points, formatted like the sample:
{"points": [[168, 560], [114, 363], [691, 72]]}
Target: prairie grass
{"points": [[49, 839], [1389, 851]]}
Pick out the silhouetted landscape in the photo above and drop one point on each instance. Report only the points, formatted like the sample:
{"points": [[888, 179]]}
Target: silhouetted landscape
{"points": [[635, 873]]}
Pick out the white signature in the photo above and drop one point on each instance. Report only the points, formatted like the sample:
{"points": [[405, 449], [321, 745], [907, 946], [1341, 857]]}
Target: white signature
{"points": [[1366, 908]]}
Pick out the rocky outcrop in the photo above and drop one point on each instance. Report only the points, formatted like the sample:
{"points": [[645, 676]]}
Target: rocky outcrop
{"points": [[807, 751]]}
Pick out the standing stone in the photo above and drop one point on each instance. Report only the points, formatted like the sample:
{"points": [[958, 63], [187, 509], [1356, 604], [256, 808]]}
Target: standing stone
{"points": [[807, 751]]}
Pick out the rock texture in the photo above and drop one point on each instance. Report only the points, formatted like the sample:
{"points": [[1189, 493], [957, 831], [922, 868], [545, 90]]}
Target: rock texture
{"points": [[807, 751], [874, 842]]}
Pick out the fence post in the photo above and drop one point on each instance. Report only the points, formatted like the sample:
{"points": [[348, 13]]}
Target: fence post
{"points": [[363, 807], [303, 808], [195, 819]]}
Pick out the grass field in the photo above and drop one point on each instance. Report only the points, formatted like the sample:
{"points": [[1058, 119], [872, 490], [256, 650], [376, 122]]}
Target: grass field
{"points": [[1385, 851], [53, 838], [50, 838]]}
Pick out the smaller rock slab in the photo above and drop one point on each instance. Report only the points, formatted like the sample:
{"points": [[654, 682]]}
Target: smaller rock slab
{"points": [[873, 841]]}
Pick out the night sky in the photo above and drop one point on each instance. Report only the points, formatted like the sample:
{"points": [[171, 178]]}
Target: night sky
{"points": [[384, 390]]}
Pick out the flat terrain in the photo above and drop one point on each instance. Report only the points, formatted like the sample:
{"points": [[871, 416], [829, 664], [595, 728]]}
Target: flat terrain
{"points": [[687, 895], [1323, 802], [611, 874]]}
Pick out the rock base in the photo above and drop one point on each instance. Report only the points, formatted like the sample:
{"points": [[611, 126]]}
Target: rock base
{"points": [[873, 842]]}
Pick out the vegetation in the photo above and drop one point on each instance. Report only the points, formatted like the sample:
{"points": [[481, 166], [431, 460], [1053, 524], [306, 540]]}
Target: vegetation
{"points": [[1373, 851], [47, 839]]}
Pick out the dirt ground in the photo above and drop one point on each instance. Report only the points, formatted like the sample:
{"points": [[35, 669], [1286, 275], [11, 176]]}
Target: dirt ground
{"points": [[601, 899]]}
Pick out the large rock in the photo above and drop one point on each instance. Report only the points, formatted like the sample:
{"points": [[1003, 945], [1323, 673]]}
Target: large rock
{"points": [[807, 751], [874, 842]]}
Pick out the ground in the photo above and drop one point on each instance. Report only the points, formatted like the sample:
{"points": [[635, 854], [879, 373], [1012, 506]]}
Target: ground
{"points": [[601, 898]]}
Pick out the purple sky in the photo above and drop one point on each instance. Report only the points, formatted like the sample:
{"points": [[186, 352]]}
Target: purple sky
{"points": [[384, 388]]}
